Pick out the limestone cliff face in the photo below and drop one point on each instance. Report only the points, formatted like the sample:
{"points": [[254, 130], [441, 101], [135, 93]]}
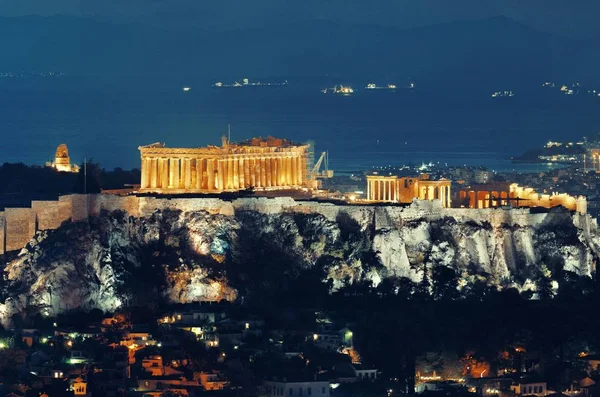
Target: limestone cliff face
{"points": [[181, 254]]}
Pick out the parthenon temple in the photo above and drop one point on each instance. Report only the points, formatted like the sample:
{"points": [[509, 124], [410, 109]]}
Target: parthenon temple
{"points": [[510, 194], [260, 163], [394, 189]]}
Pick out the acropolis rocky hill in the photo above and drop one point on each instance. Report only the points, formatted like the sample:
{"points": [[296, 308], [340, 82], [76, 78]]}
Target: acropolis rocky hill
{"points": [[101, 251]]}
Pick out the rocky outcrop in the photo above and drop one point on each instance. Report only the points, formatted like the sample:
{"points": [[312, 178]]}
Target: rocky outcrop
{"points": [[181, 253]]}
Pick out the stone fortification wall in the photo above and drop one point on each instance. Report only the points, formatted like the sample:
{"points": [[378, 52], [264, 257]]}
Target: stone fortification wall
{"points": [[51, 214], [2, 233], [495, 216], [19, 225]]}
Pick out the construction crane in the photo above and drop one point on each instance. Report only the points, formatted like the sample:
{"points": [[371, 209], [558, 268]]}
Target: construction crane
{"points": [[316, 173]]}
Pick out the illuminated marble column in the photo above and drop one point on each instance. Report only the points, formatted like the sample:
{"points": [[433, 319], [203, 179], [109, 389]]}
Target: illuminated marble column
{"points": [[294, 171], [299, 170], [163, 166], [283, 171], [288, 171], [224, 182], [172, 175], [153, 172], [273, 162], [263, 172], [186, 170], [280, 176], [228, 174], [144, 183], [375, 190], [252, 171], [199, 173], [275, 171], [268, 175], [220, 175], [180, 171], [247, 180], [385, 190], [236, 173], [242, 176], [256, 171], [210, 170], [193, 173], [442, 191]]}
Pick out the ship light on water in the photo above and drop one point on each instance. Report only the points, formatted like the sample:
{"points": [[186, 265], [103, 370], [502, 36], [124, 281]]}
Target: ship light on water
{"points": [[186, 89]]}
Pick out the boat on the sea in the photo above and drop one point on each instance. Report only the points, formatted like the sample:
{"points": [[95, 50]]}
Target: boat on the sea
{"points": [[186, 89], [372, 86], [503, 94], [341, 90], [247, 83]]}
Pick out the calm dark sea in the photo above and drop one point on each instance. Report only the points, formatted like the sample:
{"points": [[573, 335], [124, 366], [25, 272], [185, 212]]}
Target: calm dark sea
{"points": [[108, 118]]}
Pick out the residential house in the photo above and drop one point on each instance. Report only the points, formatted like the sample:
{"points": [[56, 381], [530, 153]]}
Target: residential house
{"points": [[307, 388], [212, 380], [526, 387]]}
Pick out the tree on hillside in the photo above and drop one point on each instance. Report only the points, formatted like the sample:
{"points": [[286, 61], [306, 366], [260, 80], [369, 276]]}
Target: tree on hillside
{"points": [[444, 283]]}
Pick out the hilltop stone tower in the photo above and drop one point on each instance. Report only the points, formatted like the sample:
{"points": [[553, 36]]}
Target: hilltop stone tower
{"points": [[62, 161]]}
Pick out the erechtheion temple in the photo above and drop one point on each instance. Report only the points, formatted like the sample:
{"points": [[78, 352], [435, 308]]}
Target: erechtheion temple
{"points": [[394, 189]]}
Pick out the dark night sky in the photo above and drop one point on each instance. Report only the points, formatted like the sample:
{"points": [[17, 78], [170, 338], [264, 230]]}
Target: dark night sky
{"points": [[566, 17]]}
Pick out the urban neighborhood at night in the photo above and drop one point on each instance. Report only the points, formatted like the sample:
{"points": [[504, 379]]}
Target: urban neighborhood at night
{"points": [[266, 198]]}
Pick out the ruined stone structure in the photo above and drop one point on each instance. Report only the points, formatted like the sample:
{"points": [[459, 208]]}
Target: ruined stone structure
{"points": [[394, 189], [62, 161], [19, 225], [511, 194], [259, 163]]}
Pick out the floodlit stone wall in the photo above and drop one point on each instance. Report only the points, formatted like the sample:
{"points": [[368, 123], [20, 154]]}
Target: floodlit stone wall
{"points": [[50, 214], [2, 234], [19, 225]]}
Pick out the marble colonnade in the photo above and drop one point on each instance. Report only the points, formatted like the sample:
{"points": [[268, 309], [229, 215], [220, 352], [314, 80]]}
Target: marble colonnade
{"points": [[163, 172]]}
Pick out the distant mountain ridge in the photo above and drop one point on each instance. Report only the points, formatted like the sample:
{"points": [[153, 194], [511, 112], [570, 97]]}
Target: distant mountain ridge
{"points": [[497, 50]]}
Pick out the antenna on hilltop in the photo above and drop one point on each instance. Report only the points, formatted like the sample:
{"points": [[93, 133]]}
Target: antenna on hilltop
{"points": [[229, 133], [85, 175]]}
